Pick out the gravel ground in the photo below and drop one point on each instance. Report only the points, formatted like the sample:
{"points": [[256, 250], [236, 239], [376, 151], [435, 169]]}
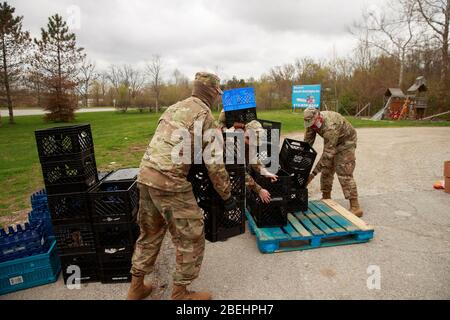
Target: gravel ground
{"points": [[396, 169]]}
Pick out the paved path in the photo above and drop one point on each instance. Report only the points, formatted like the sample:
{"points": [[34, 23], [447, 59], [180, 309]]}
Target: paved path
{"points": [[33, 112], [395, 172]]}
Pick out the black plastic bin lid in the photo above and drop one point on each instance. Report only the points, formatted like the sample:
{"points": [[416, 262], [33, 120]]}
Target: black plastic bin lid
{"points": [[123, 174]]}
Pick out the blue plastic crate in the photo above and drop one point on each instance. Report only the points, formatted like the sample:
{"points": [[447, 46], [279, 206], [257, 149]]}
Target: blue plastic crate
{"points": [[23, 241], [37, 217], [30, 272], [238, 99], [39, 199]]}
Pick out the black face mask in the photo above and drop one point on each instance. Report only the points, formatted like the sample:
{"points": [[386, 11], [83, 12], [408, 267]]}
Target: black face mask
{"points": [[205, 93]]}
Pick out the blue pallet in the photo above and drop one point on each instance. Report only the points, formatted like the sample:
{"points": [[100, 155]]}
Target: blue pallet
{"points": [[31, 271], [325, 224]]}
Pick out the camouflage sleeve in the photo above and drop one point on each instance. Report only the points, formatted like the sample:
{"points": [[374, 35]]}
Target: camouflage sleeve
{"points": [[251, 183], [310, 136], [222, 121], [216, 171], [330, 140]]}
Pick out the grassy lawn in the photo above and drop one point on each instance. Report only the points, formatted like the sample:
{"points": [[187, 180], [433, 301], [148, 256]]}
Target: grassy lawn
{"points": [[120, 140]]}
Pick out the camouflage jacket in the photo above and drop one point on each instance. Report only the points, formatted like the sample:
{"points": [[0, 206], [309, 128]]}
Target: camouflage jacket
{"points": [[250, 182], [338, 135], [157, 170]]}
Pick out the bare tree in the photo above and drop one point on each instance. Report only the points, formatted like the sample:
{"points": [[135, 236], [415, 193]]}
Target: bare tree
{"points": [[154, 71], [394, 34], [14, 48], [133, 80], [436, 15], [87, 76], [114, 76]]}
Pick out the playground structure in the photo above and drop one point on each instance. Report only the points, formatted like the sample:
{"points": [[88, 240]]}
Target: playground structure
{"points": [[399, 106]]}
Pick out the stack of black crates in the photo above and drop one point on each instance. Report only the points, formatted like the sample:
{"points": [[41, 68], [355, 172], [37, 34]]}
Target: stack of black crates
{"points": [[221, 225], [94, 215], [69, 170], [297, 158], [114, 205]]}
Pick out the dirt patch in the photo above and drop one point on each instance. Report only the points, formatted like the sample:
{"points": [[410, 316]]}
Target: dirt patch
{"points": [[19, 217]]}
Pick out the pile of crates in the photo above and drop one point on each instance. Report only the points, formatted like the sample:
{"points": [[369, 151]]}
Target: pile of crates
{"points": [[289, 194], [220, 224], [114, 205], [28, 253], [297, 158], [87, 213]]}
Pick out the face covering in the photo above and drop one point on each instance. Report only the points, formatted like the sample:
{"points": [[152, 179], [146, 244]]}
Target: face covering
{"points": [[318, 124], [205, 93]]}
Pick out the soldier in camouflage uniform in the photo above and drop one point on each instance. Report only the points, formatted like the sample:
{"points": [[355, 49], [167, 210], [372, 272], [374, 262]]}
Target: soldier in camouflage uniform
{"points": [[250, 183], [340, 142], [167, 201]]}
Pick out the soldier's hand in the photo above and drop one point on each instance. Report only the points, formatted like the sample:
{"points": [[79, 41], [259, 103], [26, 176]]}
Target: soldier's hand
{"points": [[265, 196], [311, 178], [238, 125], [230, 204]]}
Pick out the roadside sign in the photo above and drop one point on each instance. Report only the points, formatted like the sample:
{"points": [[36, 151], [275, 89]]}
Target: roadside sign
{"points": [[238, 99], [305, 96]]}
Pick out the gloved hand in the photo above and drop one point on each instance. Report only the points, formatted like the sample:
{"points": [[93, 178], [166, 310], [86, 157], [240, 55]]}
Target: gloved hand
{"points": [[230, 204]]}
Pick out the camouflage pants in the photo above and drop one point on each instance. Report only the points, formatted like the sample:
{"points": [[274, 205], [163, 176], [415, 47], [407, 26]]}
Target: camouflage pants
{"points": [[344, 164], [179, 213]]}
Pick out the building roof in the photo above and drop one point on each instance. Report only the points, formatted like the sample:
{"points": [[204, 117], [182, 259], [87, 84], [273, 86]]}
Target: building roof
{"points": [[394, 92], [419, 85]]}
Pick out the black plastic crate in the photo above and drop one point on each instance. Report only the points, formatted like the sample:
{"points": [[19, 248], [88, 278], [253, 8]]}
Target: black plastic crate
{"points": [[234, 148], [271, 215], [123, 175], [75, 238], [114, 201], [280, 188], [69, 176], [203, 188], [69, 208], [115, 259], [114, 237], [242, 116], [269, 126], [267, 153], [298, 200], [61, 143], [300, 179], [221, 225], [297, 156], [87, 264], [116, 275]]}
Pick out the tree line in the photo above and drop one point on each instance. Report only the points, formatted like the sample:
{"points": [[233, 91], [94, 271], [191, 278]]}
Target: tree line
{"points": [[396, 44]]}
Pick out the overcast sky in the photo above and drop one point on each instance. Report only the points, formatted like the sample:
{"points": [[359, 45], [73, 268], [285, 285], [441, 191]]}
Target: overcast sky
{"points": [[236, 37]]}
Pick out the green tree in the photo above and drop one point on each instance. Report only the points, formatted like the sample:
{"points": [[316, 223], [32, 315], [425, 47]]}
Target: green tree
{"points": [[58, 60], [14, 47]]}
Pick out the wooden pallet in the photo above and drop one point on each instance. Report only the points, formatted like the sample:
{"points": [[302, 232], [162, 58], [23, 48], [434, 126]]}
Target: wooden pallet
{"points": [[325, 224]]}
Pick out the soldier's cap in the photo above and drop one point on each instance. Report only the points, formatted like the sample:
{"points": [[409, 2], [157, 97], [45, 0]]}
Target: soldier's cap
{"points": [[209, 79], [258, 130], [309, 115]]}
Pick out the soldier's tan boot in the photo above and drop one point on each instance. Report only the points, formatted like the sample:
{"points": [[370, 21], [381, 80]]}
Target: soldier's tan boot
{"points": [[138, 290], [355, 208], [326, 195], [181, 293]]}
